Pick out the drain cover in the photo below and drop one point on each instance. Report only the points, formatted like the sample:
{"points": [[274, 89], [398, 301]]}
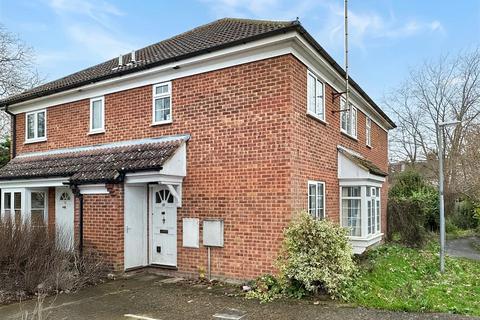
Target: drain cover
{"points": [[230, 314]]}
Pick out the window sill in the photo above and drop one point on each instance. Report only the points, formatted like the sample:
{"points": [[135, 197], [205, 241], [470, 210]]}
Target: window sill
{"points": [[369, 146], [160, 123], [95, 132], [35, 140], [316, 118], [349, 135], [361, 244]]}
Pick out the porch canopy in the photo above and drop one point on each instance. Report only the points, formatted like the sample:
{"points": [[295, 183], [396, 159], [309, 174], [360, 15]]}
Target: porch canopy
{"points": [[103, 163]]}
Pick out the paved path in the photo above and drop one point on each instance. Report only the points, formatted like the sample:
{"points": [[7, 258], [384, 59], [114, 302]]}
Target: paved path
{"points": [[150, 297], [464, 248]]}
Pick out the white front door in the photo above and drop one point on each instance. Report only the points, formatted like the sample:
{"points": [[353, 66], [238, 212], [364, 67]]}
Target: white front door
{"points": [[135, 226], [163, 227], [64, 218]]}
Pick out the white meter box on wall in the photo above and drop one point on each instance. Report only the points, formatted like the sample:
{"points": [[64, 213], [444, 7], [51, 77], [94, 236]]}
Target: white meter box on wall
{"points": [[213, 233]]}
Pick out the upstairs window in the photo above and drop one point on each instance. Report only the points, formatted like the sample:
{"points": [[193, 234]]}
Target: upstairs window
{"points": [[348, 119], [316, 199], [315, 97], [97, 115], [162, 103], [368, 132], [36, 125]]}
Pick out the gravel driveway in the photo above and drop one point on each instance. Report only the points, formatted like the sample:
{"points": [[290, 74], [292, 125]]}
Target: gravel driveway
{"points": [[148, 297]]}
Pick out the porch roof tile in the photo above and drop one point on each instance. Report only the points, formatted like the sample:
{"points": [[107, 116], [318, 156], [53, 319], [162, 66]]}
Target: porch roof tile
{"points": [[95, 164]]}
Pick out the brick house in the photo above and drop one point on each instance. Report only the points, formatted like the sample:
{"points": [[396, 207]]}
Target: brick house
{"points": [[217, 135]]}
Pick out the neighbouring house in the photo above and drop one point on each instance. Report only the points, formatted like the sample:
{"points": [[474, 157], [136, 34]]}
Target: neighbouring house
{"points": [[213, 137]]}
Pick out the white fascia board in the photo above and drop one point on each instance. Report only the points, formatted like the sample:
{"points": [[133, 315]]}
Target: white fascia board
{"points": [[34, 183], [241, 54], [152, 176], [93, 189]]}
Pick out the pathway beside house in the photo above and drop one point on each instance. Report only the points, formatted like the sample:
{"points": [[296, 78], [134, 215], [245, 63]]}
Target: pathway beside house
{"points": [[150, 297], [464, 248]]}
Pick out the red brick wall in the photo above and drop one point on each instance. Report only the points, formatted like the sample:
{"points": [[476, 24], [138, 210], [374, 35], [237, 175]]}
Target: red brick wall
{"points": [[103, 224], [247, 161], [314, 151]]}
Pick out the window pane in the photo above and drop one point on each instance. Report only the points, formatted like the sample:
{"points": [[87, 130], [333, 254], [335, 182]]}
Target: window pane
{"points": [[311, 93], [320, 196], [41, 124], [378, 216], [351, 215], [97, 114], [354, 122], [161, 89], [37, 217], [38, 200], [369, 215], [351, 191], [31, 126], [312, 199], [320, 110], [162, 109], [344, 115], [17, 200], [7, 200]]}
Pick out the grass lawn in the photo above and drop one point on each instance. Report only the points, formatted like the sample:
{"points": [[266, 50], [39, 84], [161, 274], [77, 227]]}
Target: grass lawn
{"points": [[398, 278]]}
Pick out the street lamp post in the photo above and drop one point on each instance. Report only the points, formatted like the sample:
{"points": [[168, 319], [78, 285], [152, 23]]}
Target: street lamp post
{"points": [[440, 127]]}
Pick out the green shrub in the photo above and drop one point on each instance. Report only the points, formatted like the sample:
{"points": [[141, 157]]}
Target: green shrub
{"points": [[412, 209], [317, 255], [464, 215]]}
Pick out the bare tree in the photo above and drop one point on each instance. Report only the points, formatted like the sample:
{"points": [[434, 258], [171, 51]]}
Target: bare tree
{"points": [[438, 91], [17, 70]]}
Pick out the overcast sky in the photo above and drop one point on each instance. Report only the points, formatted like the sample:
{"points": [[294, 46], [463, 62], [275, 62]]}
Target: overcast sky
{"points": [[387, 36]]}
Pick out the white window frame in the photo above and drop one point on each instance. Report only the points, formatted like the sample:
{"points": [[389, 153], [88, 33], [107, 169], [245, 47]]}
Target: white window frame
{"points": [[45, 204], [35, 138], [318, 215], [315, 114], [163, 95], [368, 131], [102, 128], [352, 119], [366, 195]]}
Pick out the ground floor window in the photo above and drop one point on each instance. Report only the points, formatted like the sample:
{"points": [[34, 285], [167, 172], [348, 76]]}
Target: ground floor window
{"points": [[25, 204], [12, 205], [360, 204], [351, 210], [38, 207], [316, 199]]}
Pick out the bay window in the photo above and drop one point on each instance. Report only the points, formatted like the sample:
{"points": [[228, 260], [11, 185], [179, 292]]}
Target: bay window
{"points": [[360, 210], [316, 199], [348, 119], [315, 96]]}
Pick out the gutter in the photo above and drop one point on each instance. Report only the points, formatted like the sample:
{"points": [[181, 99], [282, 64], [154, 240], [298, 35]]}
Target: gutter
{"points": [[13, 142]]}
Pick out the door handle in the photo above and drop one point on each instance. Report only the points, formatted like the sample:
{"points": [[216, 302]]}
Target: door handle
{"points": [[127, 228]]}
